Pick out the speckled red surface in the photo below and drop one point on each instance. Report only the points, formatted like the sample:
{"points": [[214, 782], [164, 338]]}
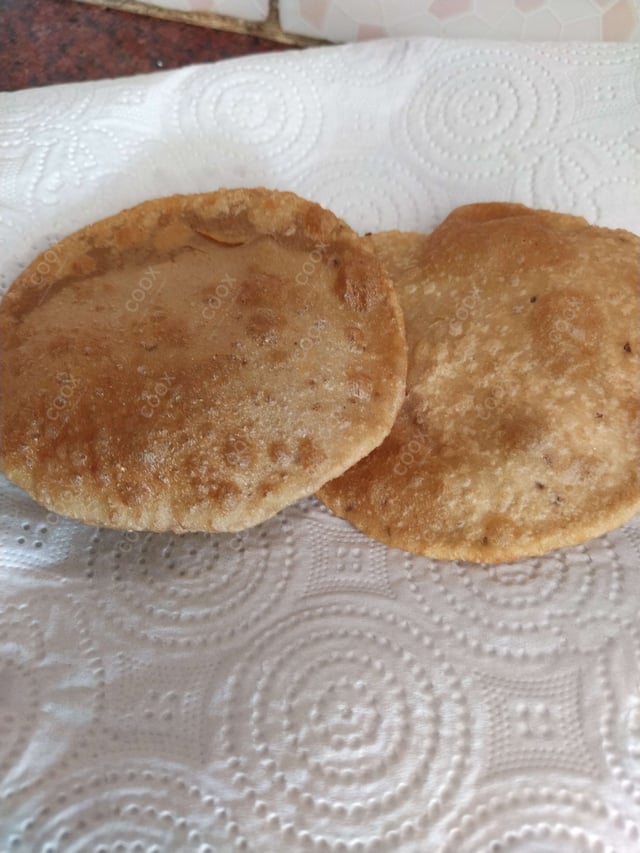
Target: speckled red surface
{"points": [[59, 41]]}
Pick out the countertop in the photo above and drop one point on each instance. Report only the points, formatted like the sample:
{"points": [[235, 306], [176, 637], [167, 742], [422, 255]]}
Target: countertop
{"points": [[60, 41]]}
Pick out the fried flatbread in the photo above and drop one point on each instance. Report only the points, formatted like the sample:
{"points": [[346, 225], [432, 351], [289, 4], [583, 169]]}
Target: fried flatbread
{"points": [[520, 432], [198, 362]]}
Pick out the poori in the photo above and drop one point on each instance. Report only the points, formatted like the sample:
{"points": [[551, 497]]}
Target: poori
{"points": [[198, 362], [520, 432]]}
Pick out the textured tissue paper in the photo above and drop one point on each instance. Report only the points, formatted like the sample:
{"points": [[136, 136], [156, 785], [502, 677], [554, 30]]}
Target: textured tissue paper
{"points": [[298, 686]]}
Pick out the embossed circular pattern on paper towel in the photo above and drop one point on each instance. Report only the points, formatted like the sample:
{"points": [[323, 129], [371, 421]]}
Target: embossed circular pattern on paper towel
{"points": [[395, 200], [568, 600], [340, 559], [38, 696], [469, 111], [68, 154], [251, 114], [122, 809], [31, 114], [618, 685], [587, 53], [535, 722], [193, 589], [559, 172], [522, 819], [34, 540], [21, 701], [632, 529], [372, 67], [59, 160], [346, 723]]}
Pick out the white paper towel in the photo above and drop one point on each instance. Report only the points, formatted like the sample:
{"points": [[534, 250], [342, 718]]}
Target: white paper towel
{"points": [[299, 686]]}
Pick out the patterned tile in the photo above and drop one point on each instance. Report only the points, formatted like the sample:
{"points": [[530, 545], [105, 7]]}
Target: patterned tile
{"points": [[534, 20]]}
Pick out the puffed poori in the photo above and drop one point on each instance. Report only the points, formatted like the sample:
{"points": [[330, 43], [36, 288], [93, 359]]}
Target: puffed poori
{"points": [[198, 362], [520, 432]]}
